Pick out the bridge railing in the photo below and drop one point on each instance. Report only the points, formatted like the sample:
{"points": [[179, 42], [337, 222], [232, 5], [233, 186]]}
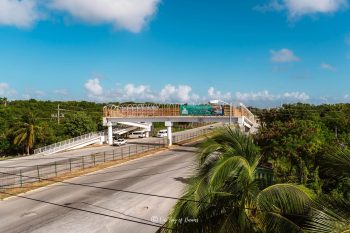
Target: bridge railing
{"points": [[21, 177], [67, 143], [144, 110], [141, 110], [247, 113]]}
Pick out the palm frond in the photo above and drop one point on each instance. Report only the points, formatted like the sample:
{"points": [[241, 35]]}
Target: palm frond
{"points": [[285, 199], [337, 163], [331, 215], [228, 168], [20, 138]]}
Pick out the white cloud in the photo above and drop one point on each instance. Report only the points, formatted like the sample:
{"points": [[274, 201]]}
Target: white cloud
{"points": [[143, 93], [299, 96], [177, 94], [93, 87], [255, 96], [266, 96], [5, 90], [132, 15], [328, 67], [184, 94], [167, 92], [283, 55], [298, 8], [136, 93], [215, 94], [303, 7], [19, 13]]}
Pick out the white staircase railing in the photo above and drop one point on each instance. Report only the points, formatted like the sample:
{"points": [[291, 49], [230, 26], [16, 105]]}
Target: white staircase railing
{"points": [[59, 146]]}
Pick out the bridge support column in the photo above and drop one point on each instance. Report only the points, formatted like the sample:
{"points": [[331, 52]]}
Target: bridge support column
{"points": [[149, 129], [169, 125], [110, 133], [241, 124]]}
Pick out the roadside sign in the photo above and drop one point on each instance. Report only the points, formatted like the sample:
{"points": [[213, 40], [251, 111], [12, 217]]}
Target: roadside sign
{"points": [[201, 110]]}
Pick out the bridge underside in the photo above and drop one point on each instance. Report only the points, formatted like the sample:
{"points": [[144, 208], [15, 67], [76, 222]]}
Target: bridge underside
{"points": [[244, 123]]}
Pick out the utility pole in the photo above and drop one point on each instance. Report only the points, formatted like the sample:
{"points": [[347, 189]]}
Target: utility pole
{"points": [[336, 132], [58, 114]]}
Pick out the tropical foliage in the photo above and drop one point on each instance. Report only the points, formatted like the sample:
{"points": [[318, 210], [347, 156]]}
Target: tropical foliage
{"points": [[75, 118], [29, 124], [26, 132], [298, 138], [308, 147], [225, 195]]}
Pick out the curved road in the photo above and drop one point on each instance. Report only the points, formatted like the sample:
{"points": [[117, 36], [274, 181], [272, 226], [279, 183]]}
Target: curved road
{"points": [[123, 199]]}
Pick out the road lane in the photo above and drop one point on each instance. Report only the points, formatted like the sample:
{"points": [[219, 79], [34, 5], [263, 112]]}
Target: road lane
{"points": [[161, 174], [34, 160]]}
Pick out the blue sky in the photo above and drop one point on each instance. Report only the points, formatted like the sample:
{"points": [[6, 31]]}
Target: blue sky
{"points": [[261, 53]]}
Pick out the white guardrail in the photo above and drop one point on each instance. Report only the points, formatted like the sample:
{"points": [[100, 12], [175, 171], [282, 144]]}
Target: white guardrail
{"points": [[68, 143]]}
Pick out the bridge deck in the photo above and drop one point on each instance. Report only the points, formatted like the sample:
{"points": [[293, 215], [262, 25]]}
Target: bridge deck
{"points": [[159, 113], [206, 119]]}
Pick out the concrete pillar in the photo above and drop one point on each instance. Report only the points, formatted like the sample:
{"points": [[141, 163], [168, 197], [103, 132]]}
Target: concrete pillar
{"points": [[169, 125], [110, 133], [149, 129], [241, 124]]}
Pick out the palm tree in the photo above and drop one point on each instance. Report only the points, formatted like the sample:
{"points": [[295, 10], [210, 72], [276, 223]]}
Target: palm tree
{"points": [[3, 101], [335, 214], [26, 132], [338, 163], [224, 195]]}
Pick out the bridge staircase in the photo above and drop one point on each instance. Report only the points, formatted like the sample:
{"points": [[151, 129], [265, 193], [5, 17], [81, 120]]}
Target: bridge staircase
{"points": [[73, 143]]}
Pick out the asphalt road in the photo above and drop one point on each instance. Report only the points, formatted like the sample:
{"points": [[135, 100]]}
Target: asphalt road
{"points": [[35, 160], [125, 191]]}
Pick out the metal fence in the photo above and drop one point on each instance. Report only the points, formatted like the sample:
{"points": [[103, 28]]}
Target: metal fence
{"points": [[21, 176]]}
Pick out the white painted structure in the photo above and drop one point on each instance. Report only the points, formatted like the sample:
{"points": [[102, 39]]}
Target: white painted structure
{"points": [[146, 126], [73, 143], [169, 125], [244, 123]]}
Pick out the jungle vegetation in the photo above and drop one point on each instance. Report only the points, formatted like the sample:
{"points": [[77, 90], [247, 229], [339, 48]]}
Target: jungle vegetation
{"points": [[307, 148]]}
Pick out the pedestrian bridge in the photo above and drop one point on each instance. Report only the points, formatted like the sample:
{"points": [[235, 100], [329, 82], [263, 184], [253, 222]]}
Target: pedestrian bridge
{"points": [[143, 115], [169, 113]]}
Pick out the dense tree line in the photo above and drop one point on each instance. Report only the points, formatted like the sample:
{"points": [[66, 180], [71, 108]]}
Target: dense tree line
{"points": [[227, 194], [29, 124], [297, 138], [306, 146]]}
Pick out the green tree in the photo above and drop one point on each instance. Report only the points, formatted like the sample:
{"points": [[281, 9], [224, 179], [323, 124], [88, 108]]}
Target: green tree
{"points": [[224, 195], [3, 101], [78, 124], [26, 132], [335, 214], [294, 147]]}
